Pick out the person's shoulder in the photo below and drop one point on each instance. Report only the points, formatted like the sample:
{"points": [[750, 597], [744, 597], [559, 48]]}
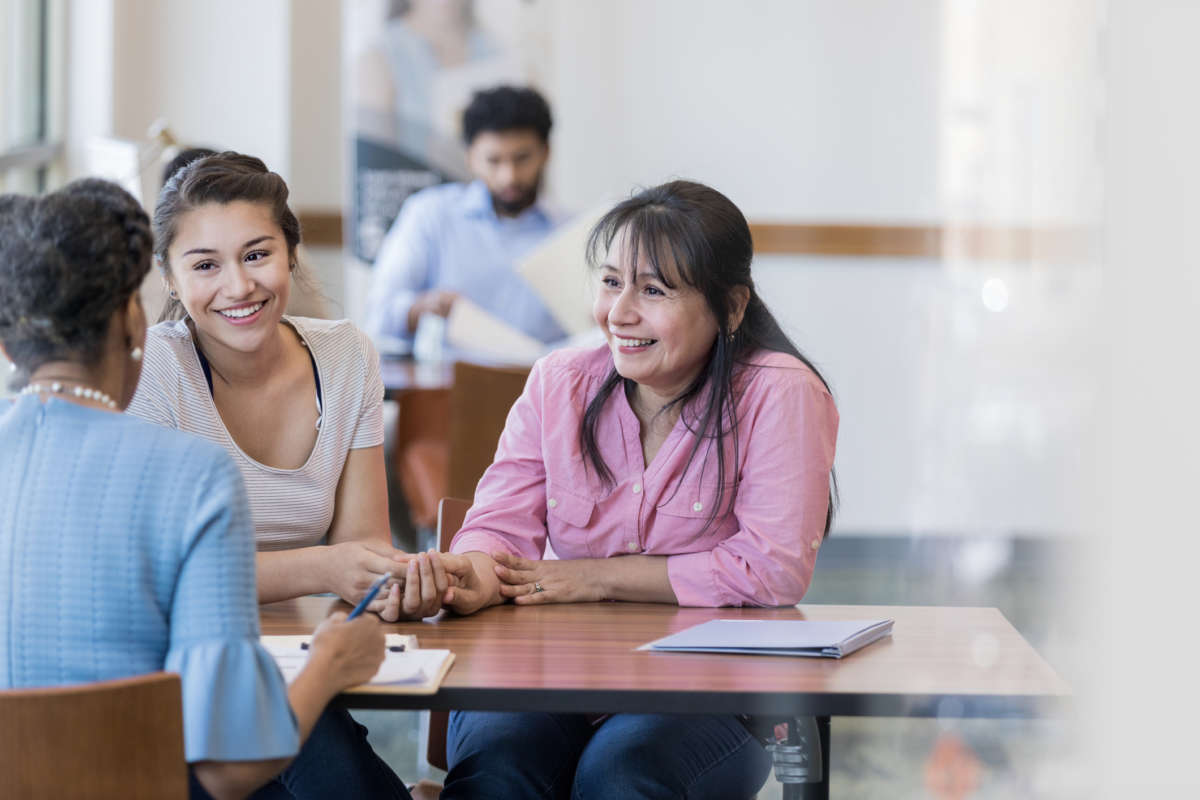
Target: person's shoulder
{"points": [[767, 370], [172, 336], [348, 347], [336, 332], [592, 362], [168, 353], [437, 198], [176, 451]]}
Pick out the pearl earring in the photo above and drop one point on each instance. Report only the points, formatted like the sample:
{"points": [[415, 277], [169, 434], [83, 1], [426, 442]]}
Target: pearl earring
{"points": [[136, 354]]}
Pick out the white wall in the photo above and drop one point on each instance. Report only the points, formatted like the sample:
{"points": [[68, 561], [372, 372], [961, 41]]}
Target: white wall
{"points": [[217, 71], [796, 110], [1146, 484]]}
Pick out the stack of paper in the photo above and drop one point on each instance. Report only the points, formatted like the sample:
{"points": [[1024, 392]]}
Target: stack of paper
{"points": [[406, 669], [775, 637]]}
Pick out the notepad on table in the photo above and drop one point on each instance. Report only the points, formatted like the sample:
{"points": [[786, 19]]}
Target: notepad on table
{"points": [[406, 668], [819, 638]]}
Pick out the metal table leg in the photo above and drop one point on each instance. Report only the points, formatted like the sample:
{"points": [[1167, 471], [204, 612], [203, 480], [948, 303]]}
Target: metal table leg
{"points": [[802, 763]]}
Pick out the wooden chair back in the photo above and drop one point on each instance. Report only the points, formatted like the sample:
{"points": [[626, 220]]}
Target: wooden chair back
{"points": [[479, 403], [120, 738], [422, 450], [451, 513]]}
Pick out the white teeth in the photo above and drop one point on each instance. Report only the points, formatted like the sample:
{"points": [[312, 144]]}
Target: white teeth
{"points": [[238, 313], [634, 342]]}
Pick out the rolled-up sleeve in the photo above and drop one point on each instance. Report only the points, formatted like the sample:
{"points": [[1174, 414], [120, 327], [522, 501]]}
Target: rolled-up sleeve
{"points": [[789, 436], [509, 512]]}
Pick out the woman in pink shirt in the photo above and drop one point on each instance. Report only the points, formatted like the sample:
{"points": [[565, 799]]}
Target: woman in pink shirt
{"points": [[687, 461]]}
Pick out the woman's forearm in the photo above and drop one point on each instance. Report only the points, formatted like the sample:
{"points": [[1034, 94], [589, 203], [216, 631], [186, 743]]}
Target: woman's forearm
{"points": [[284, 574], [635, 579]]}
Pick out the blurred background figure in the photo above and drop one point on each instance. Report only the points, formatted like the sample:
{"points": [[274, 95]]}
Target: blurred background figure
{"points": [[464, 239]]}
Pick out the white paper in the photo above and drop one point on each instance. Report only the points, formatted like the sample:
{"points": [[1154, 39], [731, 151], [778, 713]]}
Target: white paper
{"points": [[412, 665], [557, 271], [472, 330]]}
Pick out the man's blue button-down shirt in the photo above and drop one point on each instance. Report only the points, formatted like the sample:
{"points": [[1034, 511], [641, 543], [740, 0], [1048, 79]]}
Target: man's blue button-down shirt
{"points": [[450, 237]]}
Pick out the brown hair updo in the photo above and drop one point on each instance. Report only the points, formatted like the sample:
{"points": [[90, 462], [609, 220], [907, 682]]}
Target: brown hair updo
{"points": [[222, 178]]}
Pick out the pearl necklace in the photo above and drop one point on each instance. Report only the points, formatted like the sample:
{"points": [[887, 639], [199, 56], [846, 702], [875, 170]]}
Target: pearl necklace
{"points": [[82, 392]]}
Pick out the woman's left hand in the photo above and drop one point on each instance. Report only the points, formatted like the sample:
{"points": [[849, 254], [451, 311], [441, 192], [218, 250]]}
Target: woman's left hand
{"points": [[576, 580]]}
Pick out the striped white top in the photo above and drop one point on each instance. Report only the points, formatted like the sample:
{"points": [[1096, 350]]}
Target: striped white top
{"points": [[290, 507]]}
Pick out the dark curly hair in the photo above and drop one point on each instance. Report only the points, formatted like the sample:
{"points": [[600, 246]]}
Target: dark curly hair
{"points": [[507, 108], [68, 261], [222, 178]]}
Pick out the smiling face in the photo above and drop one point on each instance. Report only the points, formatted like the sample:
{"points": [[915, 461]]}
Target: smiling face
{"points": [[659, 329], [231, 266]]}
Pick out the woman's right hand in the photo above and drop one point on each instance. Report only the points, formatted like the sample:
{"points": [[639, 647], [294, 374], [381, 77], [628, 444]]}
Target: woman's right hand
{"points": [[349, 651], [351, 567]]}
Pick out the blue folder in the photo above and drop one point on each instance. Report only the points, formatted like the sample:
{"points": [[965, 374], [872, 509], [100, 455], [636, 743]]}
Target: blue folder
{"points": [[775, 637]]}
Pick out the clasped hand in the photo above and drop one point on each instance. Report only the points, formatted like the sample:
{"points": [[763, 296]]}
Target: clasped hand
{"points": [[527, 582], [417, 589]]}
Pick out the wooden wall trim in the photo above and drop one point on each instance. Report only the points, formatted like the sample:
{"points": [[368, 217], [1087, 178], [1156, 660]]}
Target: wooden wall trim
{"points": [[921, 241], [323, 228], [320, 227]]}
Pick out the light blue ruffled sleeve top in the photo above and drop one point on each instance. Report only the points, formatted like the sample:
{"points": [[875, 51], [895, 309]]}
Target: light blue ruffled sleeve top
{"points": [[127, 548]]}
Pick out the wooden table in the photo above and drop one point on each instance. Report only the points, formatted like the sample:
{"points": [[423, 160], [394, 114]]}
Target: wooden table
{"points": [[945, 662]]}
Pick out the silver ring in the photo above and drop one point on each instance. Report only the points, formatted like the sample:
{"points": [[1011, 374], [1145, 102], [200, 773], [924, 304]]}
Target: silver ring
{"points": [[537, 587]]}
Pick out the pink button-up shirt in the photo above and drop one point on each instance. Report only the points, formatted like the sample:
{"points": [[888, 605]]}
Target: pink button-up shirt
{"points": [[759, 553]]}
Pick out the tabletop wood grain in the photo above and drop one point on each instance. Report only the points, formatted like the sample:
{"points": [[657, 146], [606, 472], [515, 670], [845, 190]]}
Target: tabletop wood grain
{"points": [[939, 661]]}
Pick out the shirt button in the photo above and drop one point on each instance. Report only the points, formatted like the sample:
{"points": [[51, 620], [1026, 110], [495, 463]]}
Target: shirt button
{"points": [[816, 544], [552, 503], [697, 506], [637, 487], [632, 547]]}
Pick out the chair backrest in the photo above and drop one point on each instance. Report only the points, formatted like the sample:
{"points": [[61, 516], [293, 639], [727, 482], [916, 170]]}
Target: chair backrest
{"points": [[479, 405], [451, 513], [120, 738]]}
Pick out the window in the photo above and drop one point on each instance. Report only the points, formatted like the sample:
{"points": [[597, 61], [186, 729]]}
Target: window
{"points": [[30, 41]]}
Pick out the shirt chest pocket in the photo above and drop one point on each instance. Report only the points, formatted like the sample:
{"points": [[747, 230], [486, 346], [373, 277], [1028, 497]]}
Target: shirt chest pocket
{"points": [[687, 515], [567, 510]]}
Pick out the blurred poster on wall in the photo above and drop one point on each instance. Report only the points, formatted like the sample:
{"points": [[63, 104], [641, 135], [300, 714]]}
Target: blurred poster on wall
{"points": [[412, 66]]}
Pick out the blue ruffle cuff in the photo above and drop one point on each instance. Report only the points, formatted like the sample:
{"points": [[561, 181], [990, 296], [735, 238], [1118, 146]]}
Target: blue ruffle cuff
{"points": [[235, 704]]}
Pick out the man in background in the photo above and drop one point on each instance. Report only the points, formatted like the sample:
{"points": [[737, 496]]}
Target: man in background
{"points": [[463, 240]]}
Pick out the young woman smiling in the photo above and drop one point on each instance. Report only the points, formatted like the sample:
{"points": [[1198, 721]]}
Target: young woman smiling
{"points": [[296, 402], [688, 461]]}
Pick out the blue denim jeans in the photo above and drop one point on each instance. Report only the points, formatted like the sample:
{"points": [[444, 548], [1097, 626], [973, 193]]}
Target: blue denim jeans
{"points": [[335, 761], [534, 755]]}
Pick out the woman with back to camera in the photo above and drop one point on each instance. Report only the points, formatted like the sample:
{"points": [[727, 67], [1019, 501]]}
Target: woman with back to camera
{"points": [[130, 542], [687, 461]]}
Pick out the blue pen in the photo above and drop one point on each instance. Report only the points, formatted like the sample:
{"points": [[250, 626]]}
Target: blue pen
{"points": [[374, 590]]}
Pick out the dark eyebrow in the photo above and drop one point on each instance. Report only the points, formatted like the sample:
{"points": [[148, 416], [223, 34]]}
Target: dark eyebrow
{"points": [[207, 250]]}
